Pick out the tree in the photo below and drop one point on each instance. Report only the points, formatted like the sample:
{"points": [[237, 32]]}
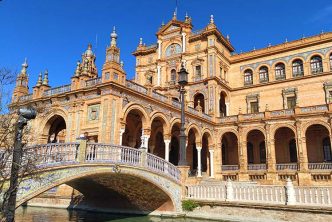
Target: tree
{"points": [[8, 129]]}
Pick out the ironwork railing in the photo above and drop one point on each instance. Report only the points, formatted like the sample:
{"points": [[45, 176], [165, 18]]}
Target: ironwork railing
{"points": [[57, 90]]}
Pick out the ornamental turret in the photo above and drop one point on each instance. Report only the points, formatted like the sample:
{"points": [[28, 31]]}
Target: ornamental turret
{"points": [[21, 87], [112, 68]]}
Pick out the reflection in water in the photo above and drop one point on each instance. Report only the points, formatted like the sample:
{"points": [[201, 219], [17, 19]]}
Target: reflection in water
{"points": [[35, 214]]}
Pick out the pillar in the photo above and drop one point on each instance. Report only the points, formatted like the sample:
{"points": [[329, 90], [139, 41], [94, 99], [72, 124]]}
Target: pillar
{"points": [[183, 42], [121, 134], [227, 108], [211, 151], [167, 142], [158, 75], [199, 161], [159, 49]]}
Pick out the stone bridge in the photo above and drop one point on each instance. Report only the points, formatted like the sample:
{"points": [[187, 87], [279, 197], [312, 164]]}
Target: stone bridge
{"points": [[109, 176]]}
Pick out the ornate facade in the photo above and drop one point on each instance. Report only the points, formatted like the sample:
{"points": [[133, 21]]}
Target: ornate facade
{"points": [[263, 115]]}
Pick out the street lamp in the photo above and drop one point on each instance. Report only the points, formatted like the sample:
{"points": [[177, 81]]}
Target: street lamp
{"points": [[10, 202], [183, 80]]}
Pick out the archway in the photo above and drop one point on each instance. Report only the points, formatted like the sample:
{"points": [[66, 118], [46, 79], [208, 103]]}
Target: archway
{"points": [[285, 146], [222, 104], [156, 142], [318, 144], [256, 151], [133, 131], [192, 157], [175, 145], [229, 149], [199, 102], [205, 157], [56, 129]]}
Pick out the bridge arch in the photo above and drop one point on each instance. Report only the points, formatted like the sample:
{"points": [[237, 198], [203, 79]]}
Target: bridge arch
{"points": [[158, 192]]}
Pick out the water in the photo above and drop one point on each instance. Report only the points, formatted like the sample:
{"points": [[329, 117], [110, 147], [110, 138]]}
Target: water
{"points": [[36, 214]]}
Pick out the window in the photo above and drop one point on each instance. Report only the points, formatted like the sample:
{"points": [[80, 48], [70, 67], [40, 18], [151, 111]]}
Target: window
{"points": [[297, 68], [280, 71], [198, 72], [248, 77], [116, 76], [327, 149], [292, 151], [316, 64], [173, 76], [254, 107], [263, 74], [107, 76], [262, 152], [291, 102], [250, 153]]}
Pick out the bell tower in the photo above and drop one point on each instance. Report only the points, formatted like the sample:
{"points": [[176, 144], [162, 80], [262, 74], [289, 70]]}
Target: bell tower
{"points": [[113, 68], [21, 87]]}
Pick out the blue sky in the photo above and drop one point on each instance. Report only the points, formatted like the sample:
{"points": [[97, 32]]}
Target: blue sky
{"points": [[54, 34]]}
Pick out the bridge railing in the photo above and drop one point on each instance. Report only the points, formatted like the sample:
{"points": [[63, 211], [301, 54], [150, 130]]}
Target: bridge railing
{"points": [[160, 165]]}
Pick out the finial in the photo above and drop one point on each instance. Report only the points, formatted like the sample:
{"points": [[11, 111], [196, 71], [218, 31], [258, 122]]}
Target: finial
{"points": [[114, 37], [322, 32], [39, 81], [89, 52], [186, 17], [45, 81], [254, 48], [303, 36], [121, 64], [266, 107], [24, 66], [211, 19], [227, 37], [286, 40], [140, 41], [162, 23], [77, 71], [174, 15], [269, 44]]}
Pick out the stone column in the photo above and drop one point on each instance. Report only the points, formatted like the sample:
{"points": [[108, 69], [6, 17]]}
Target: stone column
{"points": [[159, 49], [227, 109], [199, 161], [243, 161], [183, 42], [158, 75], [121, 133], [167, 142], [211, 163]]}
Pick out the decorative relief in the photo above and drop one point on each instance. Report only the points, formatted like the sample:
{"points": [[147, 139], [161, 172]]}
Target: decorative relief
{"points": [[93, 112], [173, 49], [286, 59]]}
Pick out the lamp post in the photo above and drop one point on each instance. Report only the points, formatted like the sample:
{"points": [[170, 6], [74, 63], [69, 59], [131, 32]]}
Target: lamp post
{"points": [[183, 80], [10, 201]]}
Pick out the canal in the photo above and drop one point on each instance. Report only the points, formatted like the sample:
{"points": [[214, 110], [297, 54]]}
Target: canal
{"points": [[36, 214]]}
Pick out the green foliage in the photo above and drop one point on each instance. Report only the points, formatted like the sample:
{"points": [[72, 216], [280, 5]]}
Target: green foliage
{"points": [[189, 205]]}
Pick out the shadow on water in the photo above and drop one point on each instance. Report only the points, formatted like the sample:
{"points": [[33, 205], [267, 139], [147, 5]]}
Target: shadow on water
{"points": [[36, 214]]}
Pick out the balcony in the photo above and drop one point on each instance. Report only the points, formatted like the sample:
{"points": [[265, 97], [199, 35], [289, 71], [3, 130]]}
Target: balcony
{"points": [[287, 166], [93, 82], [57, 90], [320, 166], [257, 166], [229, 167]]}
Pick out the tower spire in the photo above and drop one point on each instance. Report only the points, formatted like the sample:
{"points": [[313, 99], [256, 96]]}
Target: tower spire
{"points": [[114, 36], [24, 67], [39, 81], [45, 81]]}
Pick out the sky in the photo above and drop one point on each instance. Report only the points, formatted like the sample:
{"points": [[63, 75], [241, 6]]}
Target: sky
{"points": [[53, 34]]}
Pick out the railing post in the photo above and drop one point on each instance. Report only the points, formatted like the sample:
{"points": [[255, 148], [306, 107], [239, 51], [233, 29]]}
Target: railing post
{"points": [[290, 192], [229, 190], [144, 157], [82, 151]]}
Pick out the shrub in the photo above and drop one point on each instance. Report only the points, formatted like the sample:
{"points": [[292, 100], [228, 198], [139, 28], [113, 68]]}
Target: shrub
{"points": [[189, 205]]}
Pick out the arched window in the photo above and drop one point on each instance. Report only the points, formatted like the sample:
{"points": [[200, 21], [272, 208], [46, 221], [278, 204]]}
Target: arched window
{"points": [[316, 64], [250, 152], [297, 68], [280, 71], [331, 61], [248, 77], [262, 152], [173, 76], [327, 150], [263, 74], [292, 151]]}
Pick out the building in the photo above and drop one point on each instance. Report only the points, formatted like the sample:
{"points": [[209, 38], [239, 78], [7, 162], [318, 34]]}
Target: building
{"points": [[263, 115]]}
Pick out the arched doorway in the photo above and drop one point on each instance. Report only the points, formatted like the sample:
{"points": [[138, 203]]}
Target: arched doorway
{"points": [[256, 151], [229, 151], [222, 104], [192, 158], [206, 143], [156, 142], [318, 144], [285, 148], [133, 131], [199, 102], [56, 129], [175, 145]]}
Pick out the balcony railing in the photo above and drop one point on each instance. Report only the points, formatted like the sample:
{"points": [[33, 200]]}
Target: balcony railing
{"points": [[317, 70], [285, 112], [193, 110], [93, 82], [229, 167], [197, 32], [25, 98], [159, 96], [253, 116], [257, 166], [134, 86], [311, 109], [228, 119], [287, 166], [320, 166], [57, 90]]}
